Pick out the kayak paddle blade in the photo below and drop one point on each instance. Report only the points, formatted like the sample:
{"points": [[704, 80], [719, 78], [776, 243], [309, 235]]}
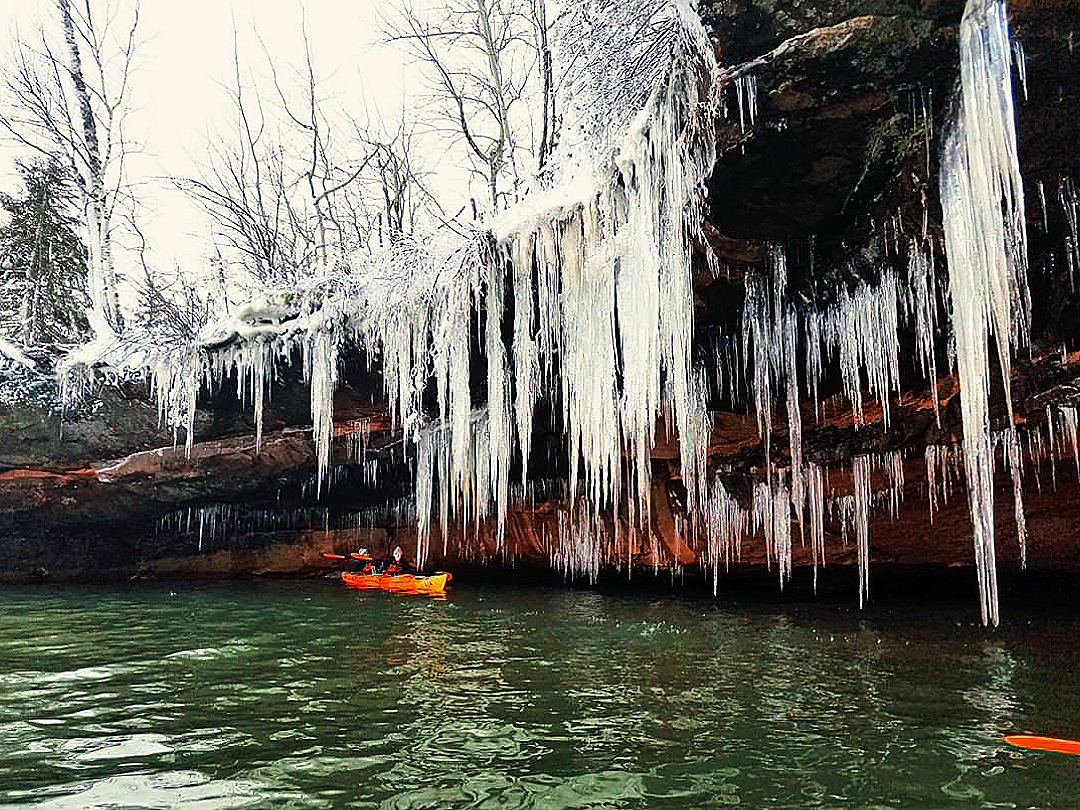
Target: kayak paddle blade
{"points": [[1034, 743]]}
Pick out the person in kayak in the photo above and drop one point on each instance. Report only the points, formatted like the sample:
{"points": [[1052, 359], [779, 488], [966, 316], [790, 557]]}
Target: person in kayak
{"points": [[399, 565]]}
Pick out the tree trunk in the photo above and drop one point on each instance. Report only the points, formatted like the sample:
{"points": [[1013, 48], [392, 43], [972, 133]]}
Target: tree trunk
{"points": [[103, 293], [547, 128], [505, 146]]}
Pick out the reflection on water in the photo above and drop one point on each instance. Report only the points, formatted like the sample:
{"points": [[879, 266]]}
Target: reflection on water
{"points": [[271, 695]]}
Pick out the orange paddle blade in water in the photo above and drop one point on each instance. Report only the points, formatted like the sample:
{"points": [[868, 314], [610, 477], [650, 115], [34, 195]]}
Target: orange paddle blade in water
{"points": [[1033, 743]]}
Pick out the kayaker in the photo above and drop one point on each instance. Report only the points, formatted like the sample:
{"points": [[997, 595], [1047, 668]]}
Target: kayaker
{"points": [[398, 565]]}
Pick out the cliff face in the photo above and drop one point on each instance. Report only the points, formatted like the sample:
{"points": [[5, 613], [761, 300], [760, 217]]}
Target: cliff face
{"points": [[826, 177]]}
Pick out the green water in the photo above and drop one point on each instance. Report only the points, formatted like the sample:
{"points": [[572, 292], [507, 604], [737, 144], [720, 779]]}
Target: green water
{"points": [[305, 694]]}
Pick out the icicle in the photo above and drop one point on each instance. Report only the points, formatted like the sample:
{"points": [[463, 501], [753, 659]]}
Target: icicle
{"points": [[816, 499], [526, 352], [322, 373], [860, 474], [589, 363], [923, 295], [769, 335], [761, 511], [1069, 196], [746, 90], [1042, 203], [798, 496], [580, 546], [694, 435], [727, 523], [1021, 65], [1051, 441], [1036, 454], [894, 462], [500, 431], [927, 98], [812, 328], [1011, 444], [863, 329], [944, 467], [844, 509], [771, 515], [425, 472], [781, 527], [931, 479], [758, 339], [983, 204], [1069, 420]]}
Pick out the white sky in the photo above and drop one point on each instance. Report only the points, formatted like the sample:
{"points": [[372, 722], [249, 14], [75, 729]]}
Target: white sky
{"points": [[187, 52]]}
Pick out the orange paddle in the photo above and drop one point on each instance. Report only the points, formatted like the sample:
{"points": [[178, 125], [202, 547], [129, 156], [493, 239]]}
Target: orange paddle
{"points": [[1033, 743]]}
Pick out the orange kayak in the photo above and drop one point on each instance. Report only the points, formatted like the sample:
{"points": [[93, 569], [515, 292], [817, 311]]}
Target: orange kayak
{"points": [[408, 583]]}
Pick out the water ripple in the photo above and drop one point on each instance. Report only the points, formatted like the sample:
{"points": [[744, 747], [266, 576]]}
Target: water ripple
{"points": [[303, 695]]}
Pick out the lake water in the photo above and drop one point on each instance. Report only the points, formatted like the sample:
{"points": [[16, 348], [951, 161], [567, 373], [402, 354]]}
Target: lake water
{"points": [[308, 695]]}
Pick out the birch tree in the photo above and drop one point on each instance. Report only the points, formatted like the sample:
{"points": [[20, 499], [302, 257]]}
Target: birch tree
{"points": [[69, 102]]}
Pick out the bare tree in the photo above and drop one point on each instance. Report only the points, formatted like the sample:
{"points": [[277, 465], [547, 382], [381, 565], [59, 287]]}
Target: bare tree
{"points": [[69, 103], [301, 181], [396, 182], [323, 175], [488, 61], [283, 189], [244, 188], [547, 84], [172, 307]]}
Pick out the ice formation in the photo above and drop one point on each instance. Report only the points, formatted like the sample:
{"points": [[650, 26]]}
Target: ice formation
{"points": [[596, 263], [922, 305], [983, 205], [944, 471], [1010, 442], [580, 297], [1069, 196], [860, 474]]}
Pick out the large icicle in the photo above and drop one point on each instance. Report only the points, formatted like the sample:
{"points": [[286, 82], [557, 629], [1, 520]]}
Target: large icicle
{"points": [[922, 304], [815, 491], [983, 205], [794, 414], [860, 474], [321, 371], [526, 352], [500, 417], [612, 233]]}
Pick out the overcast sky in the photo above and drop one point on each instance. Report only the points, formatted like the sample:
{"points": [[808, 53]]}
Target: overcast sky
{"points": [[187, 53]]}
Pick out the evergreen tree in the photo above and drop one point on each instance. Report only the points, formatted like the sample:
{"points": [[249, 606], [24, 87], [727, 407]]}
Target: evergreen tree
{"points": [[43, 266]]}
